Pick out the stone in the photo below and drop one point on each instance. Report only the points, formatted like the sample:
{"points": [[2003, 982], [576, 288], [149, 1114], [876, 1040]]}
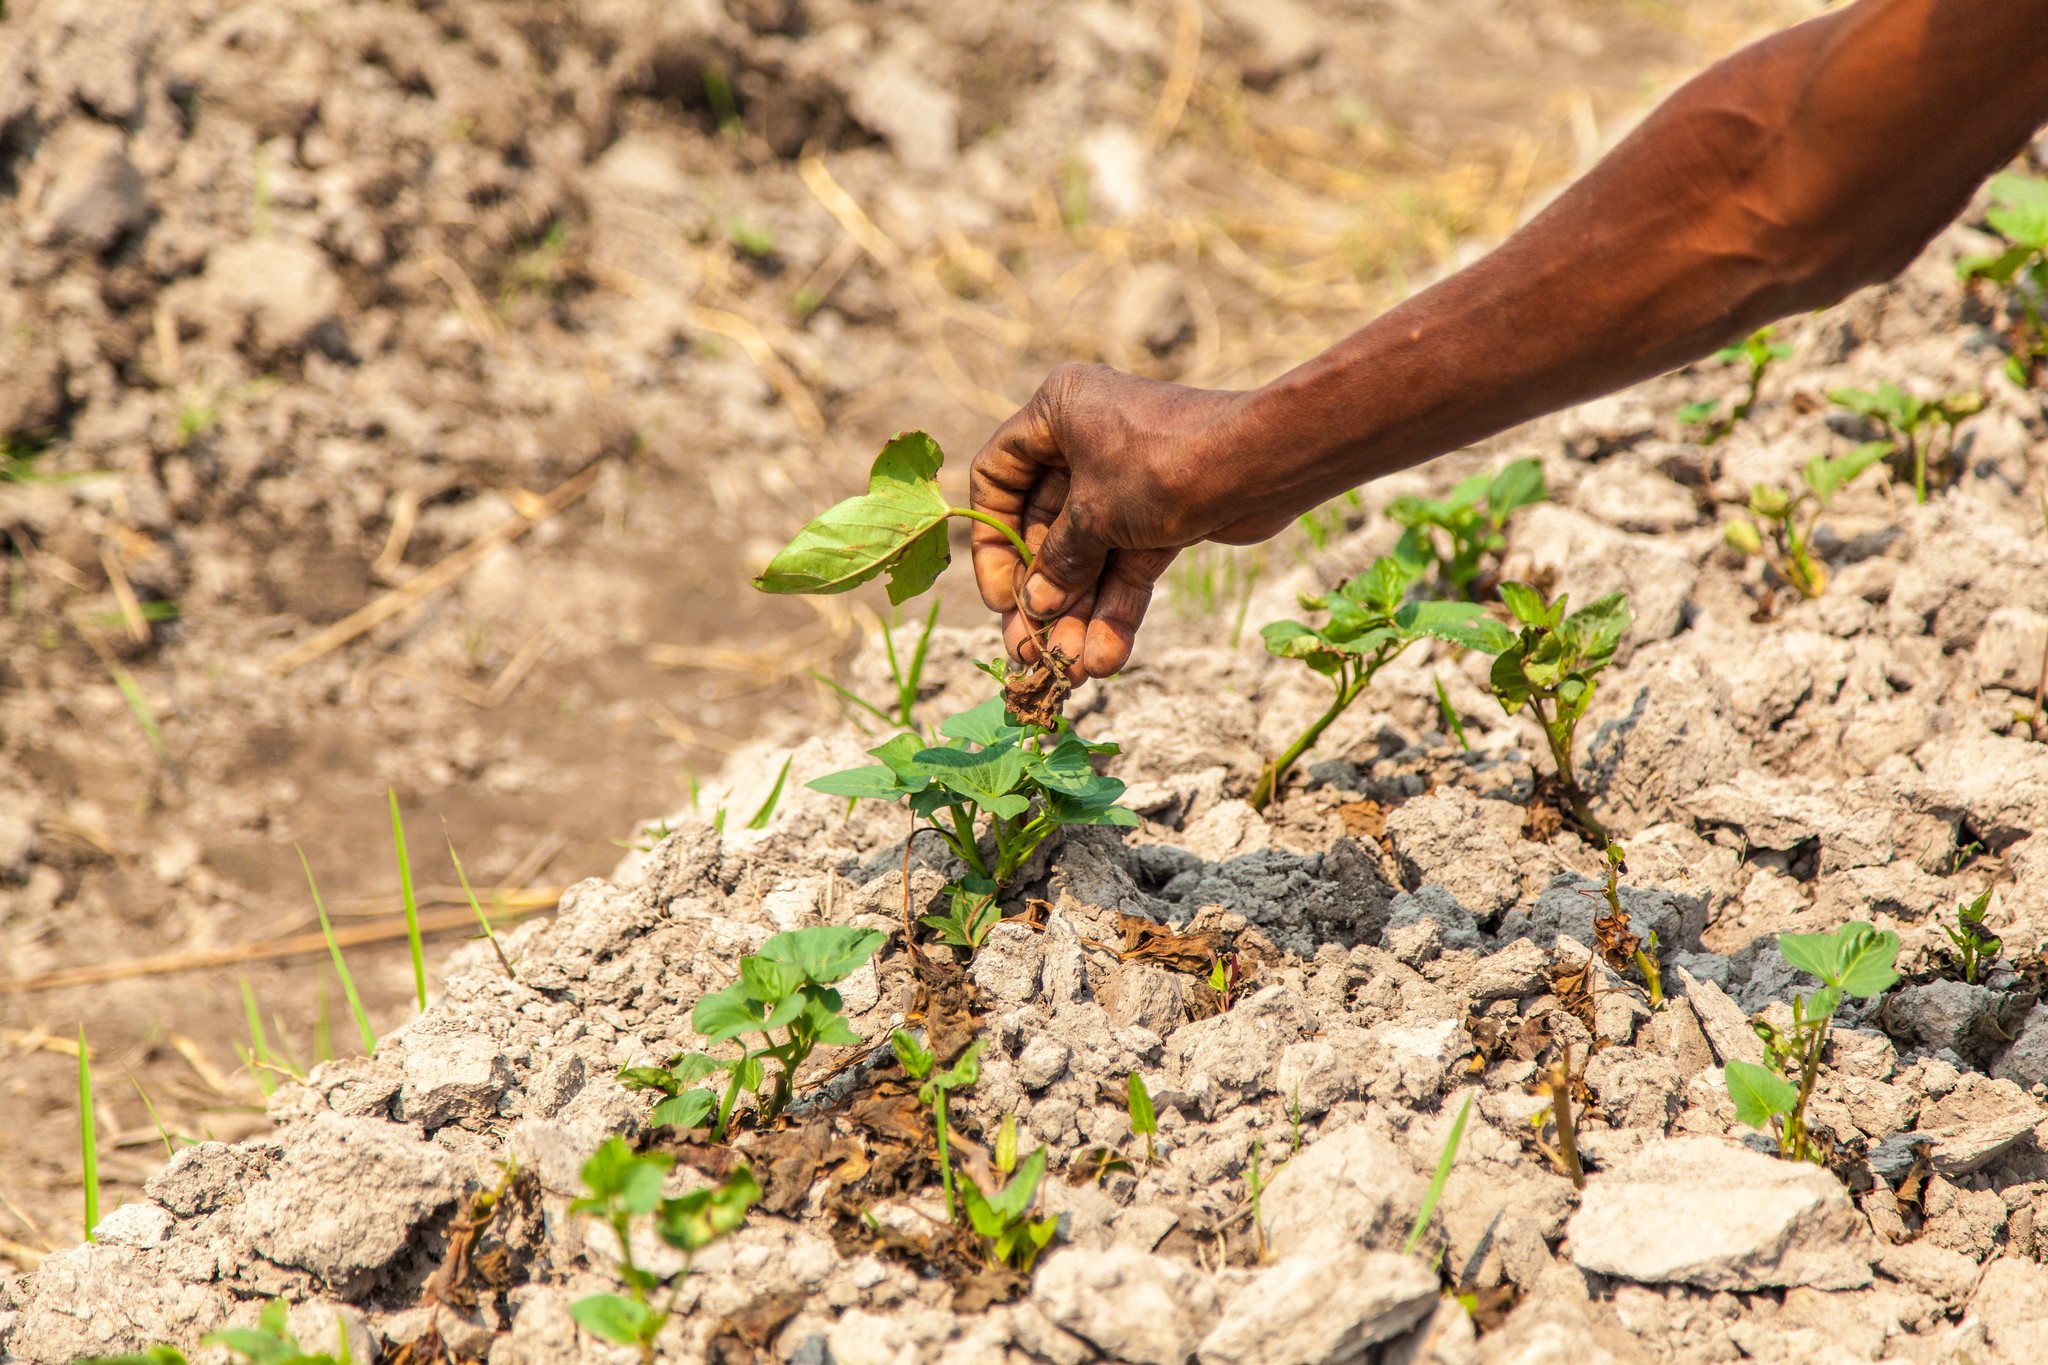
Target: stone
{"points": [[1238, 1051], [1570, 903], [1417, 943], [135, 1225], [1970, 1222], [1043, 1061], [1009, 964], [1457, 927], [1119, 172], [1413, 1062], [559, 1082], [205, 1176], [1446, 839], [346, 1194], [83, 188], [1977, 1121], [2011, 1303], [1321, 1306], [1999, 782], [1313, 1077], [1674, 1033], [91, 1301], [1129, 1305], [1946, 1275], [1861, 1053], [452, 1078], [1750, 1221], [1517, 970], [274, 295], [1723, 1022], [2010, 650], [1146, 996], [1141, 1226], [1878, 1110], [2026, 1061], [1941, 1013], [1637, 1089], [1353, 1185]]}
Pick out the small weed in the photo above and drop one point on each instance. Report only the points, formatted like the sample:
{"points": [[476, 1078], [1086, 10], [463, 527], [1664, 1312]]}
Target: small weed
{"points": [[1144, 1122], [540, 269], [1759, 352], [1854, 960], [348, 983], [1448, 714], [767, 811], [485, 920], [196, 415], [1437, 1181], [1976, 947], [1912, 423], [138, 706], [1367, 628], [786, 986], [1256, 1185], [2020, 215], [412, 905], [971, 913], [1226, 979], [718, 94], [267, 1343], [752, 238], [1470, 521], [1617, 943], [88, 1138], [1550, 669], [908, 679], [155, 1119], [1787, 550], [624, 1185], [1010, 1237], [934, 1088]]}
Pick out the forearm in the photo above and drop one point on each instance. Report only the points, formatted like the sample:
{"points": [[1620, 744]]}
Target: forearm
{"points": [[1800, 169]]}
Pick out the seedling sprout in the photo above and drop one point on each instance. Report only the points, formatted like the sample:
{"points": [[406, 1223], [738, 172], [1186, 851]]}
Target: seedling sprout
{"points": [[412, 906], [933, 1089], [1976, 947], [348, 984], [1759, 352], [1551, 668], [1912, 423], [1144, 1122], [88, 1138], [1442, 1176], [1009, 1235], [1461, 532], [2020, 215], [481, 918], [1788, 550]]}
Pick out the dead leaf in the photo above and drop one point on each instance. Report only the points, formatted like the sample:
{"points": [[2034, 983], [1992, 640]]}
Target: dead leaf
{"points": [[1364, 819], [1037, 695]]}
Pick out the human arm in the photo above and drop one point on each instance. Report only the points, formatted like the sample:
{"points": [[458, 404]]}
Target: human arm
{"points": [[1807, 165]]}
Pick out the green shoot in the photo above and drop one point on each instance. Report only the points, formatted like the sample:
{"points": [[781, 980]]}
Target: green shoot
{"points": [[348, 983], [1470, 519], [934, 1087], [1294, 1117], [481, 917], [1758, 351], [972, 913], [1550, 669], [1003, 1219], [752, 238], [624, 1186], [412, 905], [2020, 215], [1912, 422], [767, 811], [1448, 713], [156, 1119], [1617, 943], [1854, 960], [1975, 945], [88, 1138], [1787, 552], [908, 680], [1437, 1181], [1144, 1122], [257, 1056], [718, 94], [138, 706], [1368, 628], [1227, 980], [323, 1038], [786, 986]]}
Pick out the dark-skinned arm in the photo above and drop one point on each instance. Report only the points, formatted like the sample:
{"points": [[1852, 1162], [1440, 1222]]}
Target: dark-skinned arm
{"points": [[1808, 165]]}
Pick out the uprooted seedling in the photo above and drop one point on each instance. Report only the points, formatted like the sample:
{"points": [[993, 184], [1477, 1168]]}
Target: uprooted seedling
{"points": [[625, 1186], [787, 986], [1550, 668], [2019, 213], [1857, 960], [1462, 534], [1368, 626], [1912, 424], [1758, 352], [1777, 513]]}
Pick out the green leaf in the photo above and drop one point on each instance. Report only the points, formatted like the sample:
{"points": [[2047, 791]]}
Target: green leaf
{"points": [[1461, 623], [1597, 627], [727, 1014], [984, 1219], [1817, 955], [1442, 1177], [917, 1061], [824, 953], [1759, 1093], [1143, 1119], [1867, 959], [1527, 604], [699, 1218], [1014, 1198], [1827, 476], [880, 784], [889, 527], [989, 778], [767, 980], [691, 1109], [1701, 413], [986, 724], [1509, 679], [1999, 268], [1381, 587], [647, 1078], [695, 1066], [964, 1072], [1071, 810], [261, 1348], [617, 1320], [1518, 484]]}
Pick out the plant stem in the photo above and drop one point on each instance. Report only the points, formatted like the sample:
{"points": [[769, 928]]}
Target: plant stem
{"points": [[88, 1137], [1560, 754], [1561, 1106], [966, 846], [732, 1093], [987, 520], [945, 1161], [1276, 771]]}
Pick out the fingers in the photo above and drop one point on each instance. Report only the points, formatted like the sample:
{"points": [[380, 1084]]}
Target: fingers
{"points": [[1119, 609], [1007, 479], [1068, 562]]}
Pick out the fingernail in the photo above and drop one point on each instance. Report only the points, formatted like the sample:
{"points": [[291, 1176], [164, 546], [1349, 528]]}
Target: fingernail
{"points": [[1041, 597]]}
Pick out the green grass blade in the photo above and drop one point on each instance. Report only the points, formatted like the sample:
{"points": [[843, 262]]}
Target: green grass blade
{"points": [[845, 695], [412, 905], [323, 1037], [767, 811], [1436, 1183], [131, 692], [88, 1137], [485, 920], [907, 685], [154, 1117], [348, 984]]}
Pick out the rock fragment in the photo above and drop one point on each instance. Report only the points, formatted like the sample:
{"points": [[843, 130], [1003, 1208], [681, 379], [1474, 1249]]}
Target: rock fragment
{"points": [[1353, 1184], [1145, 1309], [458, 1078], [1321, 1306], [346, 1193]]}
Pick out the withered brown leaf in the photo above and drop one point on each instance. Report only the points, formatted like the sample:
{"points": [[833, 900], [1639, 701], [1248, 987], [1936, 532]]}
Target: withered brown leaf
{"points": [[1037, 694]]}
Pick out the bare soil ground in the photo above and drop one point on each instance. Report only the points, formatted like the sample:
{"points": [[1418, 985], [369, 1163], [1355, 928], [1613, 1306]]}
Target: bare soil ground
{"points": [[303, 299]]}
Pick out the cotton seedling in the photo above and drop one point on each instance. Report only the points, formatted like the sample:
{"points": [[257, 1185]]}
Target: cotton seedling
{"points": [[1976, 947], [1009, 1235], [1550, 668], [1757, 351], [1459, 533], [988, 766], [787, 986], [2019, 213], [1912, 423], [1368, 627], [1144, 1122], [934, 1088], [1857, 960], [624, 1186], [269, 1342], [1788, 551]]}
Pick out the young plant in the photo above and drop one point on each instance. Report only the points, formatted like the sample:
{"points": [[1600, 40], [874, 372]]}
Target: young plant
{"points": [[88, 1138], [481, 918], [1440, 1179], [990, 767], [1976, 947], [624, 1186], [1854, 960], [970, 914], [767, 811], [1009, 1235], [1458, 533], [1256, 1185], [2020, 215], [1550, 669], [1226, 978], [934, 1087], [1787, 550], [1144, 1122], [412, 905], [1759, 352], [1368, 627], [908, 677], [269, 1342], [348, 983], [1912, 423], [787, 986]]}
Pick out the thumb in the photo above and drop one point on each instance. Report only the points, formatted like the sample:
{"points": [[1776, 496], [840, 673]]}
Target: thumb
{"points": [[1069, 561]]}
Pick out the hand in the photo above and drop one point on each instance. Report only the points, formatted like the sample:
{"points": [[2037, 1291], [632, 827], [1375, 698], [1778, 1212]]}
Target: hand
{"points": [[1107, 477]]}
